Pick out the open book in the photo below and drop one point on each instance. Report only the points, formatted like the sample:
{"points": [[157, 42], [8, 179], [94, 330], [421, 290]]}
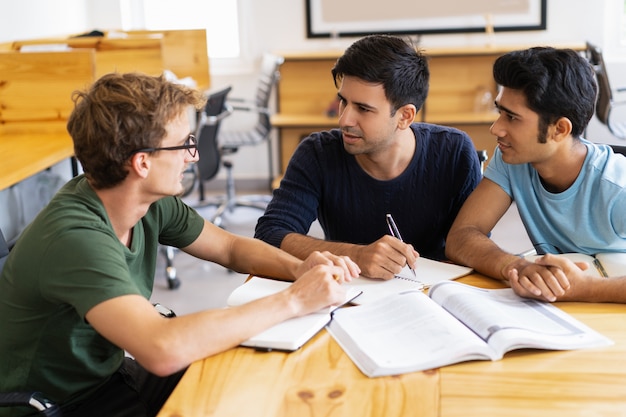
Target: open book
{"points": [[292, 333], [428, 272], [456, 322], [608, 264]]}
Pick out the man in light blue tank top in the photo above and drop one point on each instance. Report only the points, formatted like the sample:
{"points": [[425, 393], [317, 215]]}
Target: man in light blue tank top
{"points": [[570, 192]]}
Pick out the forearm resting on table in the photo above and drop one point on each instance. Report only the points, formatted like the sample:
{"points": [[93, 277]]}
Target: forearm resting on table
{"points": [[470, 247], [302, 246]]}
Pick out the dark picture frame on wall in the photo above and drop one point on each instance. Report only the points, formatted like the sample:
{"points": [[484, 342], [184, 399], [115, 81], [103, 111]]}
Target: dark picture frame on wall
{"points": [[352, 18]]}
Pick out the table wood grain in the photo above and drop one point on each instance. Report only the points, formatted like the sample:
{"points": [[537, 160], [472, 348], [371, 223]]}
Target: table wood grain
{"points": [[320, 380], [30, 148]]}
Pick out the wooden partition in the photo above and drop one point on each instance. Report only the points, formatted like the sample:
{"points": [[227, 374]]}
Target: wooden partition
{"points": [[184, 52], [37, 86]]}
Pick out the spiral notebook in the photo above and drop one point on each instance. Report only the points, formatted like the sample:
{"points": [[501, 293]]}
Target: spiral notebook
{"points": [[428, 271]]}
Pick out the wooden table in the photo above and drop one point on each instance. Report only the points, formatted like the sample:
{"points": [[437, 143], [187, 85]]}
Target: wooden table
{"points": [[320, 380], [28, 148]]}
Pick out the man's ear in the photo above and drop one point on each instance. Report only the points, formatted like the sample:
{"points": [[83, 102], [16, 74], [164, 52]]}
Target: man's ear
{"points": [[407, 115], [140, 164], [562, 128]]}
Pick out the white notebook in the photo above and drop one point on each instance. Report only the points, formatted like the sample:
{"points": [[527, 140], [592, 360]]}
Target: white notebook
{"points": [[427, 273], [291, 334]]}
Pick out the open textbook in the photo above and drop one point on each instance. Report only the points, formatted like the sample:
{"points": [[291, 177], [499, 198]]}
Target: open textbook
{"points": [[608, 264], [291, 334], [455, 322], [428, 272]]}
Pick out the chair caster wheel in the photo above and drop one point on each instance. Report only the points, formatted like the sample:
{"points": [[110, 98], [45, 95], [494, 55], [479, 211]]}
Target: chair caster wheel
{"points": [[172, 281]]}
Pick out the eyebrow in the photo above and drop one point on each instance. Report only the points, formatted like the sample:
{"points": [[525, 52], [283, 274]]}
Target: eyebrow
{"points": [[364, 105], [504, 109], [185, 138]]}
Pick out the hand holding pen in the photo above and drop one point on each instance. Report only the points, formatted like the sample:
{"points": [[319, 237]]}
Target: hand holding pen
{"points": [[393, 229]]}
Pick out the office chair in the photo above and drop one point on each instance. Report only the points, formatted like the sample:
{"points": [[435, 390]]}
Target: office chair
{"points": [[231, 141], [206, 168], [482, 158], [31, 399], [610, 113], [34, 399], [620, 149]]}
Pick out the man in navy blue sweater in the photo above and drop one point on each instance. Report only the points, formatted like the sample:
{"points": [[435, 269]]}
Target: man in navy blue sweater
{"points": [[379, 161]]}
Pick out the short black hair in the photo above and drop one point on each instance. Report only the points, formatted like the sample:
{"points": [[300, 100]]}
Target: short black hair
{"points": [[391, 61], [556, 83]]}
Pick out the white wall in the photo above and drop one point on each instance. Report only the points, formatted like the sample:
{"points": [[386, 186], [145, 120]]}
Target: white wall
{"points": [[279, 25]]}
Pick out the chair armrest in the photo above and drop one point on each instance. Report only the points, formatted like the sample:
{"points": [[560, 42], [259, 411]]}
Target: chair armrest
{"points": [[213, 120], [34, 399], [251, 107]]}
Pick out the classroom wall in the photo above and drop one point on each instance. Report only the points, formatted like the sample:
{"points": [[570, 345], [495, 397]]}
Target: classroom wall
{"points": [[279, 25]]}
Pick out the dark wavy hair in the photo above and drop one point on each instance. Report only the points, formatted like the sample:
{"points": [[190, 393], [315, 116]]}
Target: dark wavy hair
{"points": [[391, 61], [556, 83], [121, 113]]}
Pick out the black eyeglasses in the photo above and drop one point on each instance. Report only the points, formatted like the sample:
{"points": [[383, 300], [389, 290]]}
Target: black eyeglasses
{"points": [[191, 144]]}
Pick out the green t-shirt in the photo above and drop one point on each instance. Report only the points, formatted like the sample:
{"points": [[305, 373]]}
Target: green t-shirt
{"points": [[67, 261]]}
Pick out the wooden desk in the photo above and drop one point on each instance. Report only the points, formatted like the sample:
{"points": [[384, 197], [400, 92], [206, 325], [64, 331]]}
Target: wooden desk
{"points": [[29, 148], [320, 380], [295, 127]]}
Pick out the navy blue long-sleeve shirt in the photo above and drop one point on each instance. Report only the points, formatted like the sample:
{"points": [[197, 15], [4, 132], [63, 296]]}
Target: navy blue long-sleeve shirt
{"points": [[323, 181]]}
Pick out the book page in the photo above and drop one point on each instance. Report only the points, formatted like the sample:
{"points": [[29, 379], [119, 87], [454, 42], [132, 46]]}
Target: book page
{"points": [[403, 333], [254, 289], [507, 321], [614, 263], [428, 273], [375, 289]]}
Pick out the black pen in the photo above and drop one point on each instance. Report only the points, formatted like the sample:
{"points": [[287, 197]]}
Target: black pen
{"points": [[393, 229]]}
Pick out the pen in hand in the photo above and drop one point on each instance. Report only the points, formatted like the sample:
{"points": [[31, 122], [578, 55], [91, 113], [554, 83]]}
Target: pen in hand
{"points": [[393, 229]]}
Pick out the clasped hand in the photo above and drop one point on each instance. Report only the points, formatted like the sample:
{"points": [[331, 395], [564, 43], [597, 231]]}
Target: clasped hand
{"points": [[550, 278]]}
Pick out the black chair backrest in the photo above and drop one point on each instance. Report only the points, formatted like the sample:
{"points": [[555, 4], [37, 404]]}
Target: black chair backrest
{"points": [[215, 110], [621, 149], [605, 95]]}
